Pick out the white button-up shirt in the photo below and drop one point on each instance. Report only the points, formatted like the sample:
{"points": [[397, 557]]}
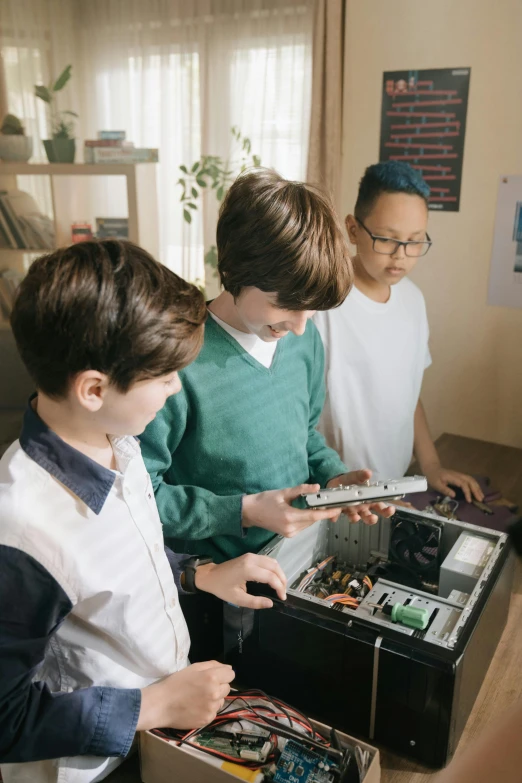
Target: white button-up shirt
{"points": [[89, 607]]}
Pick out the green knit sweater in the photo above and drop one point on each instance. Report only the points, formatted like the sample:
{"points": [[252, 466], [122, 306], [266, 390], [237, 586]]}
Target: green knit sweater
{"points": [[236, 428]]}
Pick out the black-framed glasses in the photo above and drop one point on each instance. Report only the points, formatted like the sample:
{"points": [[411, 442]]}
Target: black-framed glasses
{"points": [[387, 246]]}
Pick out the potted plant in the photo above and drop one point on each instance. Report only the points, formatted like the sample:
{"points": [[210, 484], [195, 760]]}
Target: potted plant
{"points": [[62, 147], [212, 172], [14, 144]]}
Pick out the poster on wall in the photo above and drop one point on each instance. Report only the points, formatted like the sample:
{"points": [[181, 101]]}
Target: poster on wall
{"points": [[423, 122], [505, 276]]}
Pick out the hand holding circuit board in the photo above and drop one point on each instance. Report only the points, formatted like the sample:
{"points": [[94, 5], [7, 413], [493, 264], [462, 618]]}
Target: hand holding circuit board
{"points": [[273, 510], [353, 494]]}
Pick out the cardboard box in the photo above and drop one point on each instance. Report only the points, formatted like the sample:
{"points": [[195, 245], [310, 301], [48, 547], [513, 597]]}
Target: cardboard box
{"points": [[162, 762]]}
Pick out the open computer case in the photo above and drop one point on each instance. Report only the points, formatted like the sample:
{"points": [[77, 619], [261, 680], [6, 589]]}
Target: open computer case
{"points": [[347, 663]]}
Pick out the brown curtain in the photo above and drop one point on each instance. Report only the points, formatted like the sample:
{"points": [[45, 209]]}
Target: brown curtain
{"points": [[324, 155], [3, 90]]}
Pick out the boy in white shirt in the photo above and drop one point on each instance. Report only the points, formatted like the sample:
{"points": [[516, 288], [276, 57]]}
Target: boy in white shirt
{"points": [[93, 642], [376, 342]]}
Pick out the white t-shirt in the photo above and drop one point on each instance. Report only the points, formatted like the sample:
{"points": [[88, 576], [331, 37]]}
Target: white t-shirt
{"points": [[376, 355], [262, 351]]}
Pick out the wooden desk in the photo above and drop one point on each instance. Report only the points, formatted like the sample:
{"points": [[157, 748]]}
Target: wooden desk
{"points": [[503, 684], [503, 464]]}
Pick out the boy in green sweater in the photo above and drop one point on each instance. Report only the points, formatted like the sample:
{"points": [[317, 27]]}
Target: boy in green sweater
{"points": [[230, 453]]}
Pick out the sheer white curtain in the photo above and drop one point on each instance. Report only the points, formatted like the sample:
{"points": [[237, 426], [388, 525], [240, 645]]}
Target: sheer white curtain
{"points": [[140, 73], [178, 75], [35, 41], [257, 76]]}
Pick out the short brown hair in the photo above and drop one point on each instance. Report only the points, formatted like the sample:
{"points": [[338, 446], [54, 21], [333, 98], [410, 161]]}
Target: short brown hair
{"points": [[107, 306], [282, 237]]}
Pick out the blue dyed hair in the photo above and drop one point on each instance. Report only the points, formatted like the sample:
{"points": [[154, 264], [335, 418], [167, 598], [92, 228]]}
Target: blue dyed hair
{"points": [[392, 176]]}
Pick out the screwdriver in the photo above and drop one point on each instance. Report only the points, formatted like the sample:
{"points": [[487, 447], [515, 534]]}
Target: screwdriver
{"points": [[411, 616]]}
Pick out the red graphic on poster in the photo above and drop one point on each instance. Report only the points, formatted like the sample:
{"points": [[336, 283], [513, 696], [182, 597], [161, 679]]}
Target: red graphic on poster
{"points": [[423, 122]]}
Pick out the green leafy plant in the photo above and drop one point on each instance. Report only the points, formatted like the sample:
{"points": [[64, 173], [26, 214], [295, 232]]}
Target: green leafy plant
{"points": [[61, 126], [211, 172], [12, 126]]}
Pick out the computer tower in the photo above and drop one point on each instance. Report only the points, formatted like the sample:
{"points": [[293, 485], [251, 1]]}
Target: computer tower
{"points": [[348, 664]]}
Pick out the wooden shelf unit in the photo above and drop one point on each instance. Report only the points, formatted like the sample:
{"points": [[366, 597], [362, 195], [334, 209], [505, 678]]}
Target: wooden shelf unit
{"points": [[140, 186]]}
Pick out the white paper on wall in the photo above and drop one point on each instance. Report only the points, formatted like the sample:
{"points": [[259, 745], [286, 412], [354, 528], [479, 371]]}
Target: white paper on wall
{"points": [[505, 276]]}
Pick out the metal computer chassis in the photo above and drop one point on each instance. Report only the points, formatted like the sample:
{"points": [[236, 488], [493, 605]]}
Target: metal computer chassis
{"points": [[409, 690]]}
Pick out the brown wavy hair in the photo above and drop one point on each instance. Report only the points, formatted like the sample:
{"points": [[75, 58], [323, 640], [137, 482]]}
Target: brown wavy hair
{"points": [[282, 237], [108, 306]]}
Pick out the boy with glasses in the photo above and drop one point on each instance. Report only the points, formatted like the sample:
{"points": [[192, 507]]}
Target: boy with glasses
{"points": [[376, 342]]}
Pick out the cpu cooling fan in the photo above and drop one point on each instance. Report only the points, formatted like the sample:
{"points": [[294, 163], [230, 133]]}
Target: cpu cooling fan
{"points": [[415, 544]]}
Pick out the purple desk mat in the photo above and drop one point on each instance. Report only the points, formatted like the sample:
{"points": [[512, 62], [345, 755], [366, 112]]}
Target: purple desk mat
{"points": [[501, 518]]}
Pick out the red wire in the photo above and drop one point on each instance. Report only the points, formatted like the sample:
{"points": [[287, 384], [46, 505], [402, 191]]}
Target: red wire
{"points": [[254, 715], [247, 716], [244, 713], [294, 714]]}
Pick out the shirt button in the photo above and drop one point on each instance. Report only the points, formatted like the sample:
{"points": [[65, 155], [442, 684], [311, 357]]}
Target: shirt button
{"points": [[173, 602], [156, 547]]}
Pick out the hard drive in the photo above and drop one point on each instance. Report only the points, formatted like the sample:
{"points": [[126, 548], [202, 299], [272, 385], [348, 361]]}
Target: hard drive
{"points": [[354, 494]]}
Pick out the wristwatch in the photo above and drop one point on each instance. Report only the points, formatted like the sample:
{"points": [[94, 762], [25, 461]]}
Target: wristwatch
{"points": [[190, 565]]}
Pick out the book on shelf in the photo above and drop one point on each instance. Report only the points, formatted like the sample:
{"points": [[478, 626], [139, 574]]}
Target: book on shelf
{"points": [[11, 220], [113, 144], [112, 135], [5, 307], [81, 232], [9, 282], [4, 239], [112, 228], [14, 204], [6, 232], [107, 143], [22, 224], [122, 155]]}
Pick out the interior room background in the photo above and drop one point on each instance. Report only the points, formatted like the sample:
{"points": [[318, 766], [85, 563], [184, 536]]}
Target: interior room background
{"points": [[302, 79]]}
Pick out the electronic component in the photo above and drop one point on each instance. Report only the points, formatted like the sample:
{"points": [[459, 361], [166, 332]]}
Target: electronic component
{"points": [[237, 770], [255, 734], [253, 754], [354, 494], [244, 737], [240, 745], [335, 582], [326, 648], [410, 616], [237, 745], [463, 566], [446, 507], [415, 544], [300, 765], [483, 507]]}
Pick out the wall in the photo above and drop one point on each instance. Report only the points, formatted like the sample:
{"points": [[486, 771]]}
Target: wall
{"points": [[474, 386]]}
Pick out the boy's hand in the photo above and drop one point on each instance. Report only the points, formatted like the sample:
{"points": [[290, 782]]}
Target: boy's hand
{"points": [[187, 699], [273, 511], [404, 504], [440, 478], [364, 510], [228, 580]]}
